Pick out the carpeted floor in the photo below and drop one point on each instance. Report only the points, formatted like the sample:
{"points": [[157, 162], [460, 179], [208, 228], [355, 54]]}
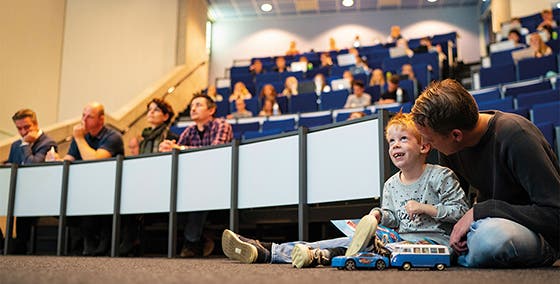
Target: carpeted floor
{"points": [[50, 269]]}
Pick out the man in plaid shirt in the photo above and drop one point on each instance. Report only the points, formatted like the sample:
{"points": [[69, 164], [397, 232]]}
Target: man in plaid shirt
{"points": [[206, 131]]}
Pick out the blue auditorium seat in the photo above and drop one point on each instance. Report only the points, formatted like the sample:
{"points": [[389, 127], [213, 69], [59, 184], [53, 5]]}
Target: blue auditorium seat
{"points": [[501, 104], [423, 75], [342, 115], [374, 92], [410, 87], [548, 112], [240, 128], [535, 67], [303, 103], [502, 57], [283, 124], [257, 134], [284, 75], [282, 102], [497, 75], [547, 129], [488, 94], [393, 65], [222, 108], [540, 97], [315, 120], [524, 87], [239, 70], [267, 78], [405, 107], [333, 100], [429, 58], [337, 71], [176, 129]]}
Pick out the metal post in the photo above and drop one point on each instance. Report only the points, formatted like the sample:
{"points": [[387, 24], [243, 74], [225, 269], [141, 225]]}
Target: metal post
{"points": [[234, 211], [115, 232], [11, 203], [385, 165], [172, 231], [303, 209], [62, 234]]}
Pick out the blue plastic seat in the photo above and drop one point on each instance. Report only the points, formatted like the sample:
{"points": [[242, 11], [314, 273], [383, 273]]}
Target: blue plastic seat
{"points": [[496, 75], [485, 95], [257, 134], [283, 125], [547, 129], [303, 103], [501, 104], [548, 112], [240, 128], [312, 121], [535, 67], [525, 87], [333, 100], [540, 97]]}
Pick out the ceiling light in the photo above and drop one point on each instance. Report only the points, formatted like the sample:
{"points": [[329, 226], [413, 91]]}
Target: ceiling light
{"points": [[266, 7], [558, 5], [432, 1], [347, 3]]}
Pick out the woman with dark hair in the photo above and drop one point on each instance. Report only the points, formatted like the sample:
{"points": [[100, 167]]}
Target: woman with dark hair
{"points": [[159, 116]]}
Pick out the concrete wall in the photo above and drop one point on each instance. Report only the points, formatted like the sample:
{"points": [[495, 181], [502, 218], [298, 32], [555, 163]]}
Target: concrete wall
{"points": [[241, 39]]}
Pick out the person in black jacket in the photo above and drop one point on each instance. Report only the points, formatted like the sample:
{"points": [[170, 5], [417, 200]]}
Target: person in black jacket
{"points": [[515, 221]]}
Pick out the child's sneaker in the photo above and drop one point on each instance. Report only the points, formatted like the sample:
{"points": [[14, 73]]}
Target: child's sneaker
{"points": [[363, 235], [304, 256], [244, 249]]}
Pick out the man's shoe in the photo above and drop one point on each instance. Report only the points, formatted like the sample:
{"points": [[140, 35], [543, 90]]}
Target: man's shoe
{"points": [[363, 235], [304, 256], [244, 249], [192, 249], [208, 246]]}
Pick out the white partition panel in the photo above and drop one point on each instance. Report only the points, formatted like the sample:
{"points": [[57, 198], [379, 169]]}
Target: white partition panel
{"points": [[5, 174], [38, 191], [91, 188], [146, 184], [268, 173], [343, 163], [204, 181]]}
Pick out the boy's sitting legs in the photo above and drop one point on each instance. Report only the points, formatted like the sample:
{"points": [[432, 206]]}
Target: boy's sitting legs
{"points": [[244, 249]]}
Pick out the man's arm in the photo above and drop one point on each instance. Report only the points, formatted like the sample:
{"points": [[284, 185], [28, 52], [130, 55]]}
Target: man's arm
{"points": [[42, 146], [224, 134]]}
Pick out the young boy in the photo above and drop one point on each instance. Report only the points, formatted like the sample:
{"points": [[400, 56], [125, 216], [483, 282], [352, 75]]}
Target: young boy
{"points": [[422, 201]]}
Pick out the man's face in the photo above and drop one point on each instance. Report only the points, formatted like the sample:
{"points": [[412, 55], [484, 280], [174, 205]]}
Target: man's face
{"points": [[200, 111], [25, 125], [92, 120], [358, 91], [240, 105], [443, 143]]}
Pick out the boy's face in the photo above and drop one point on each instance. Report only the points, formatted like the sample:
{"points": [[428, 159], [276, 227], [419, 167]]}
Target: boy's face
{"points": [[404, 149]]}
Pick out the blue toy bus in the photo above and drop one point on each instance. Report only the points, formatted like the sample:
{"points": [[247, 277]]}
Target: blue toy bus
{"points": [[407, 256]]}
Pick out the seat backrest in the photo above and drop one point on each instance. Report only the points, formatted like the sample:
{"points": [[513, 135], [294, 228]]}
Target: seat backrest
{"points": [[486, 95], [313, 121], [240, 128], [547, 129], [283, 125], [497, 75], [548, 112], [540, 97], [502, 57], [535, 67], [519, 88], [501, 104], [303, 103], [393, 65], [222, 108], [333, 100], [257, 134], [429, 58]]}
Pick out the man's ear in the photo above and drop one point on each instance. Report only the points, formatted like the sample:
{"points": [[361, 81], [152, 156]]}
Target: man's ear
{"points": [[457, 135]]}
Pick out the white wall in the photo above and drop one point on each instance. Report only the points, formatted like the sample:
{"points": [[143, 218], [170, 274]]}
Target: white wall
{"points": [[243, 39], [113, 50]]}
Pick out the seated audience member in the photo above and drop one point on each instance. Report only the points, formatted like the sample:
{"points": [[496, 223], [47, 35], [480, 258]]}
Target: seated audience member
{"points": [[395, 34], [133, 146], [213, 93], [321, 85], [515, 220], [257, 67], [159, 117], [361, 65], [332, 44], [206, 131], [270, 108], [407, 73], [290, 87], [394, 93], [356, 114], [403, 43], [538, 46], [426, 46], [547, 20], [326, 60], [377, 78], [30, 149], [92, 140], [359, 98], [293, 49], [241, 110], [348, 76], [515, 36], [306, 61], [281, 65], [239, 92], [268, 92]]}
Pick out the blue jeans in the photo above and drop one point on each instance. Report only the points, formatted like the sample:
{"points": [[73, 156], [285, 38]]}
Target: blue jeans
{"points": [[502, 243]]}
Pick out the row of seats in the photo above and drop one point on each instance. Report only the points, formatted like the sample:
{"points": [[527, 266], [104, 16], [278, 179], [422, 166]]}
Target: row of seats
{"points": [[531, 22], [524, 69]]}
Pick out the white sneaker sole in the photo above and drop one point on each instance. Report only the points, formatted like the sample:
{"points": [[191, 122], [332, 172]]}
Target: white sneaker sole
{"points": [[364, 232], [236, 249], [300, 256]]}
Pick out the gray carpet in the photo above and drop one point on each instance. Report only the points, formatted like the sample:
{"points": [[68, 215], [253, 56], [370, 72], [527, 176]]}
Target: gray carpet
{"points": [[50, 269]]}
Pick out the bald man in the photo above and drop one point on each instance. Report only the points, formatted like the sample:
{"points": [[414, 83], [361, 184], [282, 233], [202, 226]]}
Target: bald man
{"points": [[92, 140]]}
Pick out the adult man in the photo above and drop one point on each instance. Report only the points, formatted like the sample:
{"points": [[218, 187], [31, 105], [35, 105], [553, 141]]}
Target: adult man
{"points": [[516, 220], [31, 148], [394, 93], [359, 98], [92, 140], [206, 131]]}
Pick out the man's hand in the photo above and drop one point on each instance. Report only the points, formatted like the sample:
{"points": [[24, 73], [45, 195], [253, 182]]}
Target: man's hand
{"points": [[458, 238], [167, 145], [79, 131], [52, 156], [31, 136]]}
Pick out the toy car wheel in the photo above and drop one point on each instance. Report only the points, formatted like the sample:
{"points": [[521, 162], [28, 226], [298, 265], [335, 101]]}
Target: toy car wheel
{"points": [[380, 265], [440, 266], [406, 266], [350, 265]]}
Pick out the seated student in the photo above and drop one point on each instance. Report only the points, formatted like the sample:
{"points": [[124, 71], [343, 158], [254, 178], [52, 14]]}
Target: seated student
{"points": [[515, 36], [290, 87], [257, 67], [213, 93], [395, 34], [547, 20], [394, 93], [321, 85], [270, 108], [239, 92], [293, 49], [421, 201], [281, 65], [359, 98], [407, 73], [268, 92], [538, 46], [377, 78], [241, 110], [403, 43]]}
